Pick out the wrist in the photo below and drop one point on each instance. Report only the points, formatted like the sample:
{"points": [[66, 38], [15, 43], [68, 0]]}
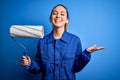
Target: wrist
{"points": [[88, 50]]}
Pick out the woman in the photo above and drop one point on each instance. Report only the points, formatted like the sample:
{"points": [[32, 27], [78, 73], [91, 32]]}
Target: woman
{"points": [[59, 54]]}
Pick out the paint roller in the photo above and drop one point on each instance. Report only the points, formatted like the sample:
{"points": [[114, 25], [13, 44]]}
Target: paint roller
{"points": [[26, 31]]}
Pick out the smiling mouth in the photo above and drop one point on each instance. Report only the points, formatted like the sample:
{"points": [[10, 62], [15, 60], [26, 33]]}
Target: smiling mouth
{"points": [[58, 20]]}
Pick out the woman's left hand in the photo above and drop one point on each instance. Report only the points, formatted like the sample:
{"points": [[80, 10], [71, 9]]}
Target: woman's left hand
{"points": [[94, 48]]}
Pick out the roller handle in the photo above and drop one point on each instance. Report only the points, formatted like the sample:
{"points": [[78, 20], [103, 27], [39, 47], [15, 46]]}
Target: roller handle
{"points": [[25, 53]]}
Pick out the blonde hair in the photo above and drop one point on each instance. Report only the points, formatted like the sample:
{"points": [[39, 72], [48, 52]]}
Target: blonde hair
{"points": [[66, 26]]}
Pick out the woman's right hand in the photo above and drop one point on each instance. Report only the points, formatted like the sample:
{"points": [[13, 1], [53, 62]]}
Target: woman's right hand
{"points": [[26, 61]]}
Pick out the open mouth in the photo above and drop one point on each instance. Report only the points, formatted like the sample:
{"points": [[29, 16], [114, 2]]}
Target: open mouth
{"points": [[58, 20]]}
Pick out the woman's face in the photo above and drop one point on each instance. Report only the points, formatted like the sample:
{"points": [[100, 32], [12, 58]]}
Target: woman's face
{"points": [[59, 17]]}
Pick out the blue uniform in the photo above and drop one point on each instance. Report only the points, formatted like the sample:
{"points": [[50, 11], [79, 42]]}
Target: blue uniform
{"points": [[59, 59]]}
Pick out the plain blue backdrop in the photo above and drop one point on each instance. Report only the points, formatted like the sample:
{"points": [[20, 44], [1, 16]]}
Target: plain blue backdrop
{"points": [[94, 21]]}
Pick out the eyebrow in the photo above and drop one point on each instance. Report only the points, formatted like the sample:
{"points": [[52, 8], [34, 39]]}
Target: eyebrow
{"points": [[60, 11]]}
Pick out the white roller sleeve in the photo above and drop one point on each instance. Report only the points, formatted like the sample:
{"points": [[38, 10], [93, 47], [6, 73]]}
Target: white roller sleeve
{"points": [[27, 31]]}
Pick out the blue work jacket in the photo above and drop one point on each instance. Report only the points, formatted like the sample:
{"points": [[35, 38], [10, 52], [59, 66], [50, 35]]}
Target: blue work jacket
{"points": [[59, 59]]}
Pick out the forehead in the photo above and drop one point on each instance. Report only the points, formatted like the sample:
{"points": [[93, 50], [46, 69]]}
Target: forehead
{"points": [[59, 9]]}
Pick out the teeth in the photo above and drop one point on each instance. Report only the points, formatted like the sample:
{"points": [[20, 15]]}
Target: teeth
{"points": [[58, 20]]}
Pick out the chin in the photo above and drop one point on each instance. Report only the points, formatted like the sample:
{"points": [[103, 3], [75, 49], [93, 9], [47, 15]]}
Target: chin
{"points": [[57, 26]]}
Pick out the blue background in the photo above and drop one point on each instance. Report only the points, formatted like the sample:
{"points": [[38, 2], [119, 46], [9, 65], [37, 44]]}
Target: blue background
{"points": [[94, 21]]}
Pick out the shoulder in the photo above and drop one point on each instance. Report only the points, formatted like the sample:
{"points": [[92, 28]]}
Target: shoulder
{"points": [[46, 36]]}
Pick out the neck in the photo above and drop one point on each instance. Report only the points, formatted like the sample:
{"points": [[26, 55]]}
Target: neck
{"points": [[58, 32]]}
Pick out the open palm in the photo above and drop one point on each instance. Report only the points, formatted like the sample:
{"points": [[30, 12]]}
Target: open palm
{"points": [[94, 48]]}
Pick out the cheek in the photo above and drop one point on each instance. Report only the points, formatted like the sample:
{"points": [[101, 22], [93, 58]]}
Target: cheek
{"points": [[53, 17], [65, 19]]}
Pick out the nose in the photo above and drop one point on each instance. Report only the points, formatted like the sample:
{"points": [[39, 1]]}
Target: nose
{"points": [[58, 15]]}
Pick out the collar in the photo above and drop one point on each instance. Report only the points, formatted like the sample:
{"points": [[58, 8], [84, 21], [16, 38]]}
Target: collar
{"points": [[65, 37]]}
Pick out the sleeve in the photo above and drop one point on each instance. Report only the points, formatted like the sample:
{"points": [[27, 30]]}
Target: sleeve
{"points": [[82, 58], [35, 66]]}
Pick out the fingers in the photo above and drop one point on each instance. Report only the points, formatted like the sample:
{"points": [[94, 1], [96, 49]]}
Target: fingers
{"points": [[100, 48], [25, 60]]}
